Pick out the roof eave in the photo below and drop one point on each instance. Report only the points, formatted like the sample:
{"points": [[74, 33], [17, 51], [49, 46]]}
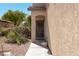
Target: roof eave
{"points": [[36, 8]]}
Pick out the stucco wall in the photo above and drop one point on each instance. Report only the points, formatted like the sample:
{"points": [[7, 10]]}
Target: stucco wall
{"points": [[63, 23]]}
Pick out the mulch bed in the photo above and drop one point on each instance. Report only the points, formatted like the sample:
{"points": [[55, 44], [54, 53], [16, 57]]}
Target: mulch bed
{"points": [[15, 49]]}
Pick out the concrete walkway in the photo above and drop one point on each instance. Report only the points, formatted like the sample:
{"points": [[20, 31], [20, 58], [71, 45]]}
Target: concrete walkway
{"points": [[36, 50]]}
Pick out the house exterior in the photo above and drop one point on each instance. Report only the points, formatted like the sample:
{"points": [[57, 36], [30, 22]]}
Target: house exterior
{"points": [[58, 24], [6, 24]]}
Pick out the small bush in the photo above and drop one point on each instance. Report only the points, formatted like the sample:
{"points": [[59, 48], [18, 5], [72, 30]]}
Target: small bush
{"points": [[26, 32], [15, 37], [3, 31]]}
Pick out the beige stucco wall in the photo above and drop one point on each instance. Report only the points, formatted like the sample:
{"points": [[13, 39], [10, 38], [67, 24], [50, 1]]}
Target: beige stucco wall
{"points": [[63, 23]]}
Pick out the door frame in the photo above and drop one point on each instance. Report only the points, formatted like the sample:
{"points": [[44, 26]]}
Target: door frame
{"points": [[42, 19]]}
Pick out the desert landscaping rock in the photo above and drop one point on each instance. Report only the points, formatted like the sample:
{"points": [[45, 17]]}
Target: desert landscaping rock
{"points": [[16, 50]]}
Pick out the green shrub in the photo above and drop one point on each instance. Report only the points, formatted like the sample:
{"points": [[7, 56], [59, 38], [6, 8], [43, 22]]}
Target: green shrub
{"points": [[26, 32], [3, 30], [15, 37]]}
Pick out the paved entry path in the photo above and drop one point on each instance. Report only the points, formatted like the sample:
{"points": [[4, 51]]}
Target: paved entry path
{"points": [[36, 50]]}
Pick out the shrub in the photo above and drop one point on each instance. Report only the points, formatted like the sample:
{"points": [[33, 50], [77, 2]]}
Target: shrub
{"points": [[25, 31], [14, 37], [3, 31]]}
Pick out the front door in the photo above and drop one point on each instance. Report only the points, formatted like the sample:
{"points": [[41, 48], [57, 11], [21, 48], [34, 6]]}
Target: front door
{"points": [[40, 29]]}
